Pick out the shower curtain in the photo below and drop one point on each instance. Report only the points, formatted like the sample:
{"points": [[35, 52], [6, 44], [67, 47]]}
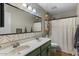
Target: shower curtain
{"points": [[62, 32]]}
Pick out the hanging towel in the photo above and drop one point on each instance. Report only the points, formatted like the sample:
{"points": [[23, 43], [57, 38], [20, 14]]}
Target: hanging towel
{"points": [[76, 45]]}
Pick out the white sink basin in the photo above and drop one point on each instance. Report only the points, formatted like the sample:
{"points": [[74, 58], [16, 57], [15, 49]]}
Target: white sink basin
{"points": [[19, 49], [14, 51]]}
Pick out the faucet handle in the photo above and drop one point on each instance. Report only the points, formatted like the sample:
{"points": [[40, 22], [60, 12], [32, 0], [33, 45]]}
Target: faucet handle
{"points": [[37, 38], [16, 44], [0, 46]]}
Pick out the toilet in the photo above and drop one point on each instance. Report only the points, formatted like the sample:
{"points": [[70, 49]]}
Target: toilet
{"points": [[55, 49]]}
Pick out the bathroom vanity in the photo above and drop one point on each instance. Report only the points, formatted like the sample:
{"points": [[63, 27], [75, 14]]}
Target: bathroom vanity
{"points": [[31, 48], [41, 51]]}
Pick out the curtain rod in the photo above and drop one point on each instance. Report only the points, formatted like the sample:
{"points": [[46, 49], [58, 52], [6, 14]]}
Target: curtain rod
{"points": [[64, 17]]}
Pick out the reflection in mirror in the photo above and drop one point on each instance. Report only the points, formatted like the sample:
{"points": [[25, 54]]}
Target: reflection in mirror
{"points": [[37, 24], [19, 21]]}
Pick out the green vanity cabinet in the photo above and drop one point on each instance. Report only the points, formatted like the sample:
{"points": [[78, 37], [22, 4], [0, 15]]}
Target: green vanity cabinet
{"points": [[41, 51], [36, 52], [44, 52], [45, 48]]}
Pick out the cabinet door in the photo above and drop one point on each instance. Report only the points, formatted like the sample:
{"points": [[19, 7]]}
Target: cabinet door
{"points": [[46, 45], [44, 53], [45, 49]]}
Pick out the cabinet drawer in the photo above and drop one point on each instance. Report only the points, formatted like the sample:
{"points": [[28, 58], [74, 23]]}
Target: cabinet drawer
{"points": [[36, 52], [46, 45]]}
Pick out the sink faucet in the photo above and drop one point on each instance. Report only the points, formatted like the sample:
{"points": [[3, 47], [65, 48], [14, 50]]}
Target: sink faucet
{"points": [[38, 39], [16, 44]]}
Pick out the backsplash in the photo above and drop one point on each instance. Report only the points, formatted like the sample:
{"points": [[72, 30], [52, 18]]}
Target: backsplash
{"points": [[7, 40]]}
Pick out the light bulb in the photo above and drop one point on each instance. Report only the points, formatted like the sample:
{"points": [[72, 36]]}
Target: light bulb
{"points": [[34, 10], [24, 4], [30, 8]]}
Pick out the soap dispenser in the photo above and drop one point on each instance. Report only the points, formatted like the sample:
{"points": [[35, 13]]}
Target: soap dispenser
{"points": [[31, 29]]}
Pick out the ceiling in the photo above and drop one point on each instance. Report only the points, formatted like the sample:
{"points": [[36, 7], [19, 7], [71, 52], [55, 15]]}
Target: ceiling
{"points": [[56, 8]]}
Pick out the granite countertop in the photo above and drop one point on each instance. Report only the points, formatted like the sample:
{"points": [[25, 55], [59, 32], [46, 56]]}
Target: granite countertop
{"points": [[24, 48]]}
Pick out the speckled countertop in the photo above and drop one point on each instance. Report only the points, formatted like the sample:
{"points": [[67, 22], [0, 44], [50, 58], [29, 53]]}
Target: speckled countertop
{"points": [[24, 48]]}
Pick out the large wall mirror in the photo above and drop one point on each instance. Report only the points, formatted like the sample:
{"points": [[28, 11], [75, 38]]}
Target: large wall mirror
{"points": [[19, 21]]}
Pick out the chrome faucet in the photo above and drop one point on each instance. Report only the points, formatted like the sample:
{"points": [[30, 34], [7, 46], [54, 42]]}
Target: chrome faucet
{"points": [[38, 39], [16, 44]]}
